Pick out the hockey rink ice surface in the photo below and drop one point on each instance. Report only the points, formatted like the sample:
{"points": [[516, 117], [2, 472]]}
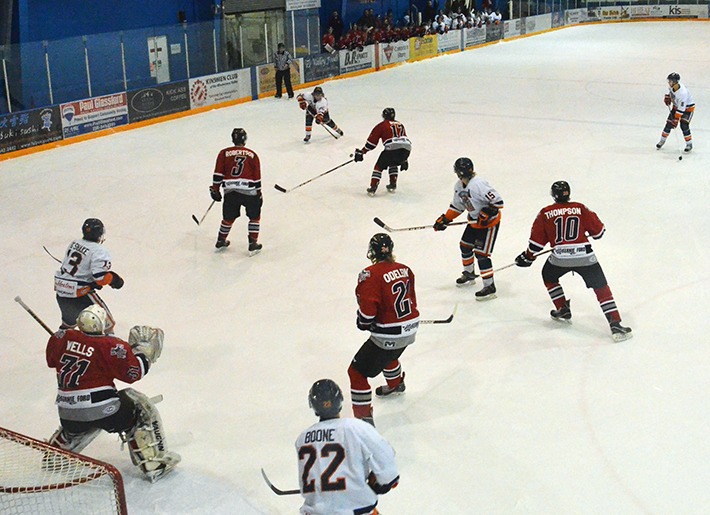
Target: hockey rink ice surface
{"points": [[506, 411]]}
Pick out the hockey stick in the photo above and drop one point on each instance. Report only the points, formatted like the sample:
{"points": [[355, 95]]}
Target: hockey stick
{"points": [[276, 490], [33, 315], [284, 190], [513, 264], [50, 254], [417, 228], [677, 137], [443, 320], [327, 129], [198, 222]]}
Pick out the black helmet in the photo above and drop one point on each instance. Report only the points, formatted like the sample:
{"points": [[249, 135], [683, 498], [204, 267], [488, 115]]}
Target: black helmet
{"points": [[380, 248], [674, 77], [239, 136], [93, 230], [325, 398], [463, 168], [318, 91], [388, 113], [560, 191]]}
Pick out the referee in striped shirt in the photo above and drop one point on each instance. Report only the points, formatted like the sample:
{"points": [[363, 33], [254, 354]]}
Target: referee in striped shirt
{"points": [[282, 63]]}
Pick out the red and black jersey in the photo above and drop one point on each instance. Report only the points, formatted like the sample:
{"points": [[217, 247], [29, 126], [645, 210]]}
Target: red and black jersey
{"points": [[387, 302], [392, 134], [237, 169]]}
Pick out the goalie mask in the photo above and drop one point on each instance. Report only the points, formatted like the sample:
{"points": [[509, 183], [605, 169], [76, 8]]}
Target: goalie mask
{"points": [[380, 248], [93, 230], [325, 398], [92, 320], [560, 191], [239, 136]]}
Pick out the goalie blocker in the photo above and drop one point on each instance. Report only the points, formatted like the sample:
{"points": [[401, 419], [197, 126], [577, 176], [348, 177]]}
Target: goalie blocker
{"points": [[88, 402]]}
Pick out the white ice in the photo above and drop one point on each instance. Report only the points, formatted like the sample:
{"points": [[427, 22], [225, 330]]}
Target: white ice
{"points": [[506, 411]]}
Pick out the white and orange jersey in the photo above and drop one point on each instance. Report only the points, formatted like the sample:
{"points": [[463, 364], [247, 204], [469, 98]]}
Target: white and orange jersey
{"points": [[682, 99], [85, 262], [473, 197], [316, 107], [392, 134]]}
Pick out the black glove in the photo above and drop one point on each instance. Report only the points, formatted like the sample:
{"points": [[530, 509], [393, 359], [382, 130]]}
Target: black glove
{"points": [[216, 195], [116, 281], [95, 286], [358, 156], [487, 214], [441, 223], [523, 260], [404, 166], [377, 487]]}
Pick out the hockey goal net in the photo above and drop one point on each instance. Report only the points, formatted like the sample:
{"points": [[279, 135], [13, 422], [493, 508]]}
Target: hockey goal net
{"points": [[38, 478]]}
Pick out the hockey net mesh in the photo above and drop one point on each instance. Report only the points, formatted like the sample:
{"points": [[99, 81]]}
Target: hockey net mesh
{"points": [[38, 478]]}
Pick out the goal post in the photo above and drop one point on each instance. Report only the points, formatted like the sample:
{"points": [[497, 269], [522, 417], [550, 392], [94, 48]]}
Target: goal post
{"points": [[38, 478]]}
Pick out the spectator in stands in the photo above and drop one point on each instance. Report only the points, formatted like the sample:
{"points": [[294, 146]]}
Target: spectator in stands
{"points": [[429, 12], [328, 41], [336, 23]]}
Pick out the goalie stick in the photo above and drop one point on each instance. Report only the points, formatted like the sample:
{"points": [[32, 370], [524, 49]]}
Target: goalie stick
{"points": [[199, 222], [284, 190], [33, 315], [417, 228], [276, 490]]}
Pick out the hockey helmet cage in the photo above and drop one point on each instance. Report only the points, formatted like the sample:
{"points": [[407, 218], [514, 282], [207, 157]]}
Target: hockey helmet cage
{"points": [[380, 248], [463, 168], [318, 91], [388, 113], [239, 136], [560, 191], [92, 320], [325, 398], [675, 77], [93, 230]]}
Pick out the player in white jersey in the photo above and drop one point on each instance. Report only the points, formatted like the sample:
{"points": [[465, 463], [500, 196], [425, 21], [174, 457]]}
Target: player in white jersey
{"points": [[85, 269], [483, 204], [681, 111], [316, 107], [343, 463]]}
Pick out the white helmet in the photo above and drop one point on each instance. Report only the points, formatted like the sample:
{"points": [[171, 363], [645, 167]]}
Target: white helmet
{"points": [[92, 320]]}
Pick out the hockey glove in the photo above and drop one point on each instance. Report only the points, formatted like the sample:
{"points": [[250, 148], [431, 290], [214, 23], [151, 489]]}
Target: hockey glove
{"points": [[487, 214], [378, 488], [404, 166], [676, 119], [358, 156], [302, 102], [216, 195], [319, 118], [523, 260], [667, 100], [116, 281], [441, 223]]}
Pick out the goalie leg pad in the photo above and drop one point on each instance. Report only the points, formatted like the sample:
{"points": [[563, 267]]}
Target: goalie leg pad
{"points": [[148, 340], [146, 441], [74, 442]]}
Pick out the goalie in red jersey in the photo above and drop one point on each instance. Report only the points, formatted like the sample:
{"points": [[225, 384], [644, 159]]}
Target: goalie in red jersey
{"points": [[387, 307], [395, 155]]}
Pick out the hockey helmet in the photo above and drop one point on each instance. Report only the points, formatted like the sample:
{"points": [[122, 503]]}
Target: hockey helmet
{"points": [[675, 77], [93, 230], [325, 398], [560, 191], [380, 248], [463, 168], [388, 113], [92, 320], [239, 136], [318, 91]]}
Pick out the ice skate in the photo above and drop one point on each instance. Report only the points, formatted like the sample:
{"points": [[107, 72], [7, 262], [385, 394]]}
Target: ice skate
{"points": [[307, 138], [254, 248], [620, 333], [660, 143], [222, 244], [688, 147], [391, 188], [466, 278], [563, 314], [168, 462], [487, 292], [371, 191], [340, 132], [385, 390]]}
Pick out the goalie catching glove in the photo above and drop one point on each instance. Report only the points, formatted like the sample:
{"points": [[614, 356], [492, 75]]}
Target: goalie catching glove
{"points": [[147, 341]]}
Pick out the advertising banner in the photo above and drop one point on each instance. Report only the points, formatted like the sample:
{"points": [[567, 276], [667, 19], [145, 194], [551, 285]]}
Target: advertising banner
{"points": [[574, 16], [474, 36], [538, 23], [421, 48], [162, 99], [296, 5], [449, 41], [494, 33], [93, 114], [266, 76], [29, 129], [222, 87], [354, 60], [320, 66], [511, 28], [391, 53]]}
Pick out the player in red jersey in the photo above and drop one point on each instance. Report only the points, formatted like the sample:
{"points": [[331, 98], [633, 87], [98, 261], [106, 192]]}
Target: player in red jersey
{"points": [[565, 226], [395, 154], [88, 362], [238, 173], [387, 307]]}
